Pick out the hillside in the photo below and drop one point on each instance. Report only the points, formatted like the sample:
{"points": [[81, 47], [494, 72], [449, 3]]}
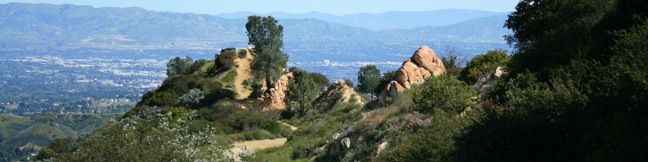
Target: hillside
{"points": [[206, 98], [24, 135], [575, 89]]}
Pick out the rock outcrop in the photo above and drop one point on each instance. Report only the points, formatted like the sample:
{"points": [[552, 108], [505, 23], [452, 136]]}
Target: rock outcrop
{"points": [[338, 92], [422, 65], [275, 97], [486, 82]]}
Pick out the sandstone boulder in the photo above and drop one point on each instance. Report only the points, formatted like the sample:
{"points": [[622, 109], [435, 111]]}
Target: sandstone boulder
{"points": [[422, 65], [274, 98], [338, 92]]}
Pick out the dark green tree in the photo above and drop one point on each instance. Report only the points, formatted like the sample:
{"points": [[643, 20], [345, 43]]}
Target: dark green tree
{"points": [[302, 90], [266, 35], [179, 66], [550, 34], [368, 79], [384, 80], [577, 87], [451, 65]]}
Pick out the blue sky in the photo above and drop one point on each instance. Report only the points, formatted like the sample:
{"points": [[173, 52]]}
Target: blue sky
{"points": [[337, 7]]}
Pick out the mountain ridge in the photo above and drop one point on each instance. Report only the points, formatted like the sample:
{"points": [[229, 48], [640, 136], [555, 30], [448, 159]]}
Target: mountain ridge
{"points": [[72, 26], [390, 20]]}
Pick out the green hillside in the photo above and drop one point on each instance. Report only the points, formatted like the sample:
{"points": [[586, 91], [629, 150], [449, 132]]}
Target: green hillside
{"points": [[575, 89], [35, 131]]}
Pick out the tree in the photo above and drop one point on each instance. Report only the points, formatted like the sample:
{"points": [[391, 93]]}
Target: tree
{"points": [[550, 34], [302, 90], [451, 65], [179, 66], [320, 79], [451, 62], [384, 80], [368, 78], [266, 35], [577, 86]]}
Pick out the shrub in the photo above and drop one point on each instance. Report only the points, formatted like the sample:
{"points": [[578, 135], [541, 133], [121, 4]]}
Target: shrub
{"points": [[538, 117], [229, 77], [226, 59], [197, 65], [435, 143], [445, 93], [191, 98], [179, 66], [483, 64], [250, 120], [164, 137], [218, 94]]}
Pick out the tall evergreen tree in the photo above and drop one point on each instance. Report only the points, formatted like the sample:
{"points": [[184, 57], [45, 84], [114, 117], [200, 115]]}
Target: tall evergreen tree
{"points": [[266, 35], [302, 90]]}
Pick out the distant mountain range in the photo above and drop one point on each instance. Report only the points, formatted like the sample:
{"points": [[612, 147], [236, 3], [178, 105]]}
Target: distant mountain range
{"points": [[320, 45], [385, 21], [71, 26]]}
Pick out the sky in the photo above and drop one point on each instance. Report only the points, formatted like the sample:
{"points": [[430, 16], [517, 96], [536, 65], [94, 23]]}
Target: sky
{"points": [[337, 7]]}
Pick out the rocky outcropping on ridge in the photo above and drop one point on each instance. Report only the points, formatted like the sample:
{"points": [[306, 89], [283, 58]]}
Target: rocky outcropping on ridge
{"points": [[422, 65], [338, 92], [485, 83], [274, 98]]}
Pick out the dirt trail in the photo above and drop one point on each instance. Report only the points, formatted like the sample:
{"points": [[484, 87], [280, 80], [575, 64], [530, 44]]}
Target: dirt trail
{"points": [[293, 128], [243, 73], [254, 145]]}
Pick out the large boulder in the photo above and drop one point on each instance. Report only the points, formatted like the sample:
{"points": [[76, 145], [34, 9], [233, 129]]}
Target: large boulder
{"points": [[338, 92], [275, 97], [422, 65]]}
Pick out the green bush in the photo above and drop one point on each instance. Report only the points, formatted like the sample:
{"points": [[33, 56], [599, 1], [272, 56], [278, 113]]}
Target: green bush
{"points": [[538, 117], [483, 65], [246, 120], [228, 79], [445, 93], [436, 143], [197, 65], [148, 136], [191, 98], [179, 66]]}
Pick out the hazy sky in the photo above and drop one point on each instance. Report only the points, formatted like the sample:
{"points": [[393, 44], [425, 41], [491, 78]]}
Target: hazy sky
{"points": [[292, 6]]}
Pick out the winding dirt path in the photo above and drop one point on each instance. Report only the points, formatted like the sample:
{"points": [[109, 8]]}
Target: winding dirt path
{"points": [[253, 145], [293, 128], [243, 73]]}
